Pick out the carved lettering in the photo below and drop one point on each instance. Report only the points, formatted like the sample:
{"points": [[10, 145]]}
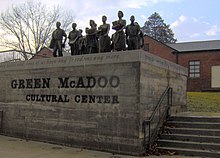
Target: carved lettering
{"points": [[63, 82], [30, 83], [14, 84], [96, 99], [21, 84], [47, 98], [102, 81], [80, 82], [114, 81], [89, 82]]}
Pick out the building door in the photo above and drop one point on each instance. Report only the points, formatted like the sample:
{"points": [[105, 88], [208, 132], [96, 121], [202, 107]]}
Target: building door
{"points": [[215, 77]]}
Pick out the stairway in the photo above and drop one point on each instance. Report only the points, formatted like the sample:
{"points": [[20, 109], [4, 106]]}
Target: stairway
{"points": [[191, 136]]}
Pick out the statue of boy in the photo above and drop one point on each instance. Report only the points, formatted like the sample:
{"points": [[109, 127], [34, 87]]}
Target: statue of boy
{"points": [[74, 40], [132, 34], [57, 40]]}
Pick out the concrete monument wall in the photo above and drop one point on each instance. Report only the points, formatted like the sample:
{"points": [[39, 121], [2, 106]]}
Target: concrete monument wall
{"points": [[94, 101]]}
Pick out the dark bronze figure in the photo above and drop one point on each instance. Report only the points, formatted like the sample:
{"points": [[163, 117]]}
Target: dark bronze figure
{"points": [[118, 38], [57, 40], [140, 39], [92, 38], [82, 43], [104, 39], [74, 40], [132, 34]]}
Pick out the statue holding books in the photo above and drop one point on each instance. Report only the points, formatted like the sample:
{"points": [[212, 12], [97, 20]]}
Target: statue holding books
{"points": [[118, 38]]}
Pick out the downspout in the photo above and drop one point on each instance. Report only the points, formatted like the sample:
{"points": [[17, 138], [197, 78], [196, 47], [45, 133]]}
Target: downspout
{"points": [[177, 56]]}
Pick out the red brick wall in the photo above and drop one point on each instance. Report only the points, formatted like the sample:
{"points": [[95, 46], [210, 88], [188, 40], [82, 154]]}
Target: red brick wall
{"points": [[207, 60], [160, 49]]}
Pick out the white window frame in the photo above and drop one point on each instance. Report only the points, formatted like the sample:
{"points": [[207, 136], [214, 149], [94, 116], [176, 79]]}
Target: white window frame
{"points": [[194, 69]]}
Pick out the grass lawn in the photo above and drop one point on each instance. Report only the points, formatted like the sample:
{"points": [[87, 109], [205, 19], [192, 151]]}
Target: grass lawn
{"points": [[205, 102]]}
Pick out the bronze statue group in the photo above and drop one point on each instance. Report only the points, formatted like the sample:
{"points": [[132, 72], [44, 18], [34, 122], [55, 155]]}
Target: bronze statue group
{"points": [[97, 40]]}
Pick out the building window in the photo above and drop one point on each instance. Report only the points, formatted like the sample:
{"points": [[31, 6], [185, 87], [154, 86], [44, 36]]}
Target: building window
{"points": [[194, 68]]}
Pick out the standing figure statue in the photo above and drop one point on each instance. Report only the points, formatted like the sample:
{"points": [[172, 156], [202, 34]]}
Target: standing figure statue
{"points": [[82, 43], [118, 38], [104, 39], [74, 40], [57, 40], [132, 34], [140, 39], [92, 38]]}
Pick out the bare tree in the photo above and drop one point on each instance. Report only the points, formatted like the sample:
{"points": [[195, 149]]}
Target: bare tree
{"points": [[27, 28]]}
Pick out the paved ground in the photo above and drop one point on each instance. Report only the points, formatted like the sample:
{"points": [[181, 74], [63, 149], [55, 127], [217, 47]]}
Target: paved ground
{"points": [[18, 148]]}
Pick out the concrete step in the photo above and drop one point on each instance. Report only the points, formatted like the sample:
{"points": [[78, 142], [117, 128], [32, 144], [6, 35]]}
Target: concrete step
{"points": [[191, 136], [192, 152], [194, 138], [193, 131], [204, 125], [215, 147], [194, 119]]}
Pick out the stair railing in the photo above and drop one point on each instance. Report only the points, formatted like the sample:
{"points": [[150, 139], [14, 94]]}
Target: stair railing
{"points": [[152, 133]]}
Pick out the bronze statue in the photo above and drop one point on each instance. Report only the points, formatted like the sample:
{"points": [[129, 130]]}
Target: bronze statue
{"points": [[82, 43], [74, 40], [118, 38], [92, 38], [57, 40], [104, 39], [132, 34], [140, 39]]}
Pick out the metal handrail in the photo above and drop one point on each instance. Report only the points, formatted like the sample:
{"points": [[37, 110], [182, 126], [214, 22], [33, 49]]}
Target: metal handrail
{"points": [[169, 93]]}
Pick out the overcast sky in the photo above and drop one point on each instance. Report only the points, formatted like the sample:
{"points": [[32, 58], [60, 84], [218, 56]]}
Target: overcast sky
{"points": [[190, 20]]}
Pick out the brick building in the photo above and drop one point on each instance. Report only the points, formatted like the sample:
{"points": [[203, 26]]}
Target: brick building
{"points": [[47, 53], [202, 58], [157, 48], [43, 53]]}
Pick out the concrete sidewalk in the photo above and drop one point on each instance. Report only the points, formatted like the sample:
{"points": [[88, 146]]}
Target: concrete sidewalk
{"points": [[19, 148]]}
